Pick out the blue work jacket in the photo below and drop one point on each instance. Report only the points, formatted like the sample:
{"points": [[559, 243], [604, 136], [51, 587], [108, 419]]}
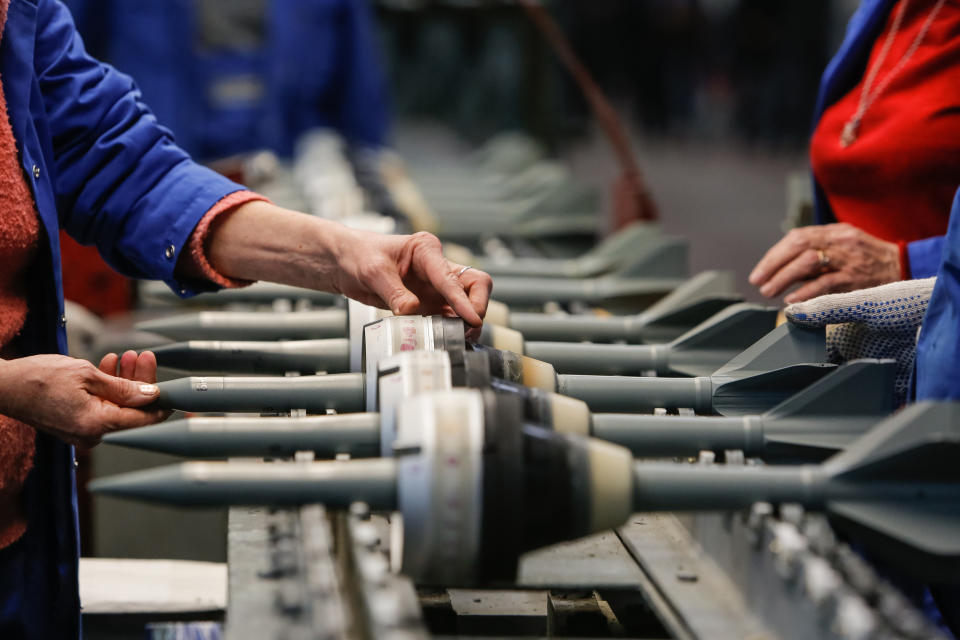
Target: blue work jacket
{"points": [[102, 168], [841, 75], [317, 66], [937, 373]]}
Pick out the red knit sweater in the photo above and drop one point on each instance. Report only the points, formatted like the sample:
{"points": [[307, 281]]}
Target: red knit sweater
{"points": [[19, 240], [897, 180]]}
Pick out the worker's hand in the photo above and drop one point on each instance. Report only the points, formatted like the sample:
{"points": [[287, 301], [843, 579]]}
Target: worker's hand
{"points": [[77, 402], [828, 258], [880, 322], [409, 275], [406, 274]]}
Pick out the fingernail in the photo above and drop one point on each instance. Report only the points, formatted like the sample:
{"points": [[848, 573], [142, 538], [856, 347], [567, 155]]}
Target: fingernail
{"points": [[754, 277], [149, 389], [766, 291]]}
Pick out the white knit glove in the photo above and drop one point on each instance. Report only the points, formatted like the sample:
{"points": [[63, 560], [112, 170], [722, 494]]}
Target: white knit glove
{"points": [[880, 322]]}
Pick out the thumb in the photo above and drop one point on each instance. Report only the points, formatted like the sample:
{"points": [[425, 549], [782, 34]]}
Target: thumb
{"points": [[832, 308], [123, 392], [895, 306]]}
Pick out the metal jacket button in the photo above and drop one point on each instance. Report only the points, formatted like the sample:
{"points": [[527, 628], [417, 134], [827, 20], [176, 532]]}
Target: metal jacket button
{"points": [[36, 172], [170, 251]]}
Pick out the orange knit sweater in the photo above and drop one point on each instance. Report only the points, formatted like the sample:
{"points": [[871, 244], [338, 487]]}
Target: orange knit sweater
{"points": [[19, 240]]}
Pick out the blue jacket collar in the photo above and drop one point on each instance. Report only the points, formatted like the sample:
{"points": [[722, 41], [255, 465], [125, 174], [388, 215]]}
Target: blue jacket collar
{"points": [[847, 66]]}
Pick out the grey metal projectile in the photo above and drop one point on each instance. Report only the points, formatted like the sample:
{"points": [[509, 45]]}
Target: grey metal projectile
{"points": [[698, 352], [685, 307], [331, 355], [343, 392], [546, 184], [658, 269], [810, 426], [354, 434], [613, 252], [315, 394], [568, 210], [502, 155], [251, 325], [337, 484], [257, 293], [774, 368]]}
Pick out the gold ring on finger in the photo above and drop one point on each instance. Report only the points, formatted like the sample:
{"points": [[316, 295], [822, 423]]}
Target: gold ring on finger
{"points": [[823, 260]]}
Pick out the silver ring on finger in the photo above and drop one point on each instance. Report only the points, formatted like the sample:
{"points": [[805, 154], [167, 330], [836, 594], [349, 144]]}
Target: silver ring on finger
{"points": [[463, 271]]}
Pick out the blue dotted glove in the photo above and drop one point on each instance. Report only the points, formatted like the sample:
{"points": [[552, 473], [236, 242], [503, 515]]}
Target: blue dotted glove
{"points": [[880, 322]]}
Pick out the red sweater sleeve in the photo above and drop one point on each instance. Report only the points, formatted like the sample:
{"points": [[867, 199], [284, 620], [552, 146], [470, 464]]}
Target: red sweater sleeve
{"points": [[198, 239], [17, 443]]}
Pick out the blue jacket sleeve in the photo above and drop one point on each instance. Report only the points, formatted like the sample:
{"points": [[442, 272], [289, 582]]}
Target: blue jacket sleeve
{"points": [[925, 256], [938, 348], [120, 181]]}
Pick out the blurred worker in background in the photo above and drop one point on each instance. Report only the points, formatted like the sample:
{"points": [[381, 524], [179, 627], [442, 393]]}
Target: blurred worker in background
{"points": [[885, 155], [80, 150], [231, 76]]}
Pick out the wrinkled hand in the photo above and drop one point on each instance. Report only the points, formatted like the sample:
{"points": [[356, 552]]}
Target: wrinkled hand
{"points": [[853, 260], [410, 275], [881, 322], [76, 401], [406, 274]]}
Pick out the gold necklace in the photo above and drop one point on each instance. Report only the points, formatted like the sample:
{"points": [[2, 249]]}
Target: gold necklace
{"points": [[852, 127]]}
